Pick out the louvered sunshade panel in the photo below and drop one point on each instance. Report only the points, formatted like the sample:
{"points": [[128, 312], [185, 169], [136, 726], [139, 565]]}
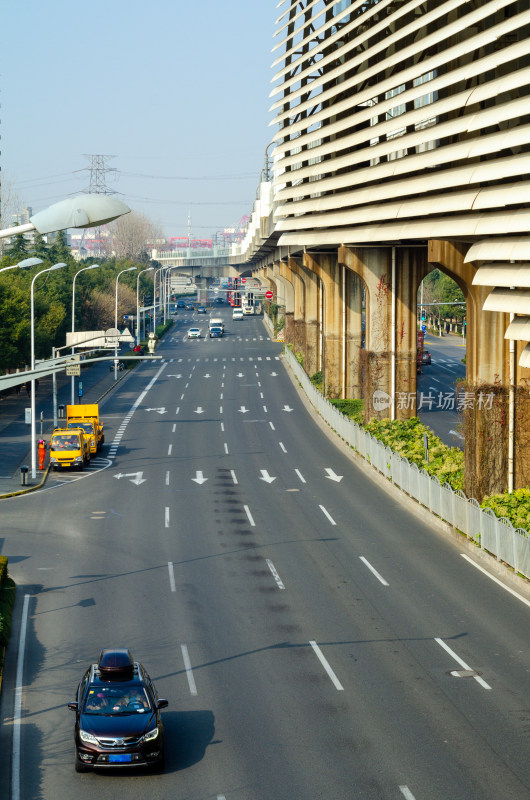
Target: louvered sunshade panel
{"points": [[410, 111]]}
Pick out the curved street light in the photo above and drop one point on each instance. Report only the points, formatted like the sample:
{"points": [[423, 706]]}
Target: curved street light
{"points": [[149, 269], [131, 269], [33, 426], [27, 262], [92, 266]]}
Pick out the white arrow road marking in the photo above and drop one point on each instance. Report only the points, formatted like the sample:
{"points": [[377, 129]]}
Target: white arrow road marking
{"points": [[240, 375], [136, 477], [266, 477], [455, 433], [199, 479], [198, 410], [158, 410], [206, 376], [274, 374], [243, 410], [287, 408], [173, 376], [333, 476]]}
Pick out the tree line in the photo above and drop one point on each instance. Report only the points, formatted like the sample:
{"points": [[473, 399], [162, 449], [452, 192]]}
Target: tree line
{"points": [[94, 297]]}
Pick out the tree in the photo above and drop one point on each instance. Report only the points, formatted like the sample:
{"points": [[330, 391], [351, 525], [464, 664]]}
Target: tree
{"points": [[18, 249], [130, 236], [59, 250]]}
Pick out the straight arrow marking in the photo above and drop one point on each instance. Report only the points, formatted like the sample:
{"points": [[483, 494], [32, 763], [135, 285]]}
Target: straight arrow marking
{"points": [[199, 478]]}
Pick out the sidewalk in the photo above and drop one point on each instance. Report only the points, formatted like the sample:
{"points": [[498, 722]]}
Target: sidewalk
{"points": [[97, 380]]}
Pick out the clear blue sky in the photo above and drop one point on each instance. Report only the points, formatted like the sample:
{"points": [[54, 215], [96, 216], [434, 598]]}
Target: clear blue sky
{"points": [[171, 88]]}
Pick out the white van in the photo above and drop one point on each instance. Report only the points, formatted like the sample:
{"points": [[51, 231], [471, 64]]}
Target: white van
{"points": [[216, 322], [237, 313]]}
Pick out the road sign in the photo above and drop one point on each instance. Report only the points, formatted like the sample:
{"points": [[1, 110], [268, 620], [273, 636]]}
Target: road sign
{"points": [[269, 295], [243, 280], [424, 328], [73, 369]]}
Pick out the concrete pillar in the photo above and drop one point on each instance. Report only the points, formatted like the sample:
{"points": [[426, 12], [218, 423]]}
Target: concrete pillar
{"points": [[309, 329], [327, 268], [352, 333], [282, 274], [485, 416]]}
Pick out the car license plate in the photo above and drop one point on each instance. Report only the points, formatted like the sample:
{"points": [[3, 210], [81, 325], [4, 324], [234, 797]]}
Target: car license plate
{"points": [[119, 758]]}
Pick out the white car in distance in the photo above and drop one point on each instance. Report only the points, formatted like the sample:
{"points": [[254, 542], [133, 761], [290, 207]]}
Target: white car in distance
{"points": [[194, 333]]}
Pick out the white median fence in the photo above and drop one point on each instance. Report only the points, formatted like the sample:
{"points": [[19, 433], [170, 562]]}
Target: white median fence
{"points": [[496, 535]]}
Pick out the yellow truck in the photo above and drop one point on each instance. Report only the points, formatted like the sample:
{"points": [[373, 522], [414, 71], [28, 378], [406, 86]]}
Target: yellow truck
{"points": [[86, 416], [69, 448]]}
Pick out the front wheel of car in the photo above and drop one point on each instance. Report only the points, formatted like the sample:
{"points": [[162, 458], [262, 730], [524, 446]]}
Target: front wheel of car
{"points": [[79, 766]]}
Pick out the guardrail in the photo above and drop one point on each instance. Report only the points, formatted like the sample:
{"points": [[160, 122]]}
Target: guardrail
{"points": [[494, 534]]}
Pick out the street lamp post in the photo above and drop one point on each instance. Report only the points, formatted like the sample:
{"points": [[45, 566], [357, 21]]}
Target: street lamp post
{"points": [[33, 426], [149, 269], [154, 294], [27, 262], [116, 322], [92, 266]]}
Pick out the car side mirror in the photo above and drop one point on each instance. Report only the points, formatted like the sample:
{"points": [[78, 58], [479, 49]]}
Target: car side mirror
{"points": [[73, 706], [162, 704]]}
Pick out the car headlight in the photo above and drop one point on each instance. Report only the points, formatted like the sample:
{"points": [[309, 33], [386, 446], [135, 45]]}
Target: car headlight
{"points": [[87, 737], [150, 735]]}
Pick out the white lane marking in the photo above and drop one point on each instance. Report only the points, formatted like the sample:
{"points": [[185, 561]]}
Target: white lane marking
{"points": [[226, 448], [233, 474], [171, 576], [300, 476], [169, 449], [261, 395], [15, 778], [282, 446], [455, 433], [374, 571], [249, 515], [221, 396], [462, 663], [174, 427], [222, 426], [272, 426], [500, 583], [186, 386], [265, 409], [221, 797], [177, 410], [320, 655], [275, 573], [220, 409], [405, 791], [436, 380], [189, 672], [328, 515], [182, 397], [167, 478], [167, 517]]}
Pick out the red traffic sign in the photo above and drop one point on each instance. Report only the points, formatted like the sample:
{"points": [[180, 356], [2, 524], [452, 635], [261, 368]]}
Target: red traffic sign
{"points": [[269, 295], [243, 280]]}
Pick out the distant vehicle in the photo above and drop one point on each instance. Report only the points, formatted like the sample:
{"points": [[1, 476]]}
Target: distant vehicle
{"points": [[181, 304], [216, 332], [217, 322], [117, 715], [425, 357], [237, 313], [220, 301], [190, 306], [248, 310], [194, 333], [201, 310]]}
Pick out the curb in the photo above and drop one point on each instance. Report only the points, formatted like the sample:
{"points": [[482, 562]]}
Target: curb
{"points": [[29, 489]]}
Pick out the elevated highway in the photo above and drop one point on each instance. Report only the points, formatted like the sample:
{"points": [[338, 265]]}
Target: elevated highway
{"points": [[401, 144]]}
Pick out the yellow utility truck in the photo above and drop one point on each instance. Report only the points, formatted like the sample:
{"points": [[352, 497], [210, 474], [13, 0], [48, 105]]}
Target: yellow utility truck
{"points": [[86, 416], [69, 448]]}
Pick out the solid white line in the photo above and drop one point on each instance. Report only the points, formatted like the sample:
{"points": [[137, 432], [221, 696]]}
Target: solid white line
{"points": [[337, 684], [328, 515], [300, 476], [169, 449], [462, 663], [282, 446], [233, 474], [491, 577], [226, 448], [15, 778], [272, 426], [167, 516], [249, 515], [189, 673], [372, 569], [171, 576], [405, 791], [275, 573], [167, 478]]}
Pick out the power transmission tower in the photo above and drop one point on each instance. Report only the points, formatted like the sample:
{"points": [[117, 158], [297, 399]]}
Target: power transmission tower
{"points": [[98, 170]]}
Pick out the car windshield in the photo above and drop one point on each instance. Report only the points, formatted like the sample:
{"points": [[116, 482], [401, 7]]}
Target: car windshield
{"points": [[65, 442], [86, 426], [116, 700]]}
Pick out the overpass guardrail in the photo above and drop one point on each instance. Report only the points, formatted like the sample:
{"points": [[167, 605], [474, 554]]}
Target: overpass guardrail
{"points": [[496, 535]]}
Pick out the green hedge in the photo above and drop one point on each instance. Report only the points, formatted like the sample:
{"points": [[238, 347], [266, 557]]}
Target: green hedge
{"points": [[7, 600], [514, 506]]}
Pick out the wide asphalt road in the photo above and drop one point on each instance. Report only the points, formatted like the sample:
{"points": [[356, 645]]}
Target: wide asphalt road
{"points": [[438, 405], [313, 638]]}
